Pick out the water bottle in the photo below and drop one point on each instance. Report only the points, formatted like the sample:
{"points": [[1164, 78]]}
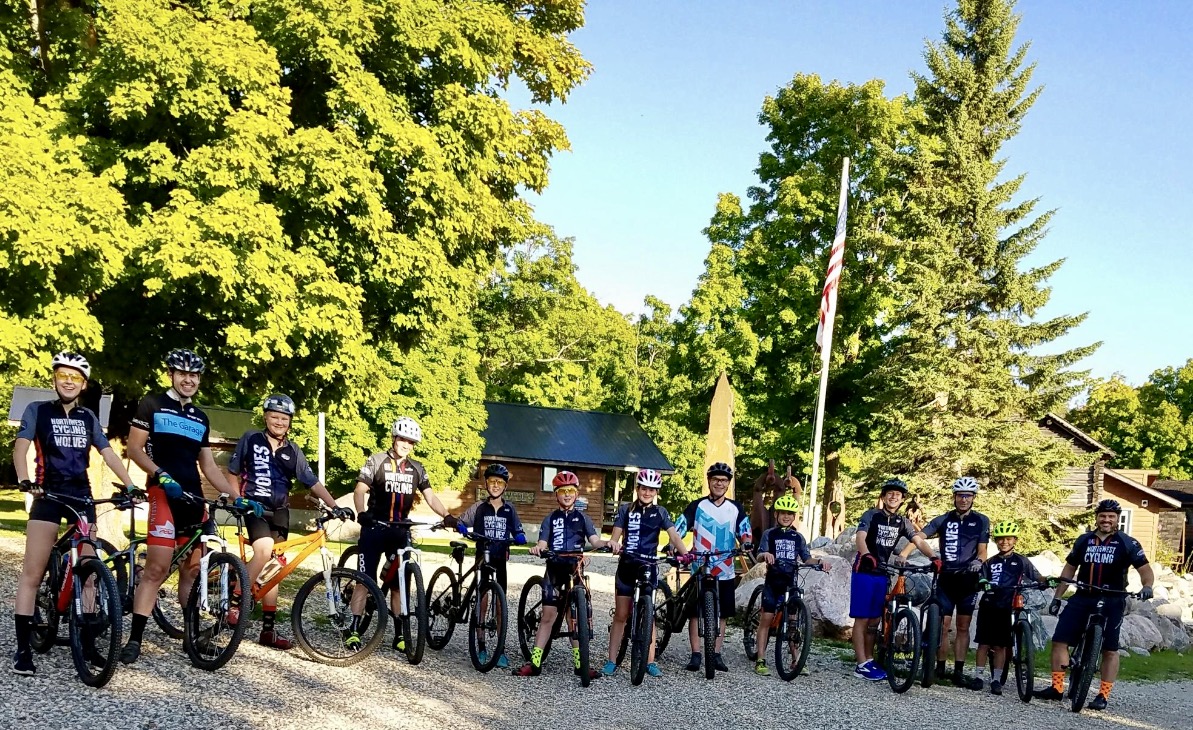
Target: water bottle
{"points": [[276, 562]]}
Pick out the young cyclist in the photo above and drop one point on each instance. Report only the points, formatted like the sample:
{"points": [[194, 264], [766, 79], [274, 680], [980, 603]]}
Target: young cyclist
{"points": [[495, 519], [62, 433], [718, 524], [641, 525], [389, 481], [263, 469], [782, 542], [563, 531], [1000, 575]]}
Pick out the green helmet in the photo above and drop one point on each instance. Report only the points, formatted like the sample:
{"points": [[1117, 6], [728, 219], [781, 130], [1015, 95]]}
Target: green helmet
{"points": [[786, 503], [1006, 528]]}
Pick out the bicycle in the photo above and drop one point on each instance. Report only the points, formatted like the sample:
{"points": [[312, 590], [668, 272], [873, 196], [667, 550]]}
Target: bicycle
{"points": [[792, 625], [1085, 657], [1022, 653], [930, 627], [642, 625], [578, 608], [412, 598], [900, 647], [84, 587], [483, 606]]}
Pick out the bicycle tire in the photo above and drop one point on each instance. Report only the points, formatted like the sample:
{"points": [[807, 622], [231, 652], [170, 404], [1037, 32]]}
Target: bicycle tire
{"points": [[95, 636], [642, 627], [708, 603], [749, 624], [793, 640], [661, 623], [1091, 648], [931, 640], [1025, 660], [530, 613], [414, 623], [168, 613], [44, 633], [488, 602], [442, 607], [228, 596], [904, 651], [327, 646], [583, 633]]}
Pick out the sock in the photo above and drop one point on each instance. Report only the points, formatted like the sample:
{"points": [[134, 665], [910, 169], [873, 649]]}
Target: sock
{"points": [[536, 657], [940, 668], [137, 631], [24, 626], [355, 627], [958, 666], [575, 657], [979, 672], [267, 618], [1105, 689], [1058, 682]]}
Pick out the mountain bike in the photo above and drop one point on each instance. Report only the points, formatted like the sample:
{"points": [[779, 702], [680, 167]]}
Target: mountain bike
{"points": [[82, 588], [899, 648], [483, 604], [577, 607], [1085, 657], [643, 626], [1022, 654], [791, 625], [402, 572], [930, 627], [701, 590]]}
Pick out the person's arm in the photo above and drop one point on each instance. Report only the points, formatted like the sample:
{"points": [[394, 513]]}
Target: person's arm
{"points": [[137, 439], [676, 541], [910, 547], [984, 540], [516, 526], [433, 502], [544, 536], [614, 541], [923, 545], [859, 540], [320, 491], [20, 459], [764, 548], [468, 516], [360, 495], [1066, 573], [116, 465], [744, 533], [1146, 575]]}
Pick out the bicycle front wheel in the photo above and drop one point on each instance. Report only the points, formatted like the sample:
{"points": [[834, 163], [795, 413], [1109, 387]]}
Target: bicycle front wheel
{"points": [[903, 651], [486, 630], [443, 595], [322, 620], [530, 613], [414, 622], [794, 639], [1025, 660], [45, 607], [931, 635], [708, 618], [583, 634], [214, 627], [96, 621], [643, 629], [749, 624], [1090, 651]]}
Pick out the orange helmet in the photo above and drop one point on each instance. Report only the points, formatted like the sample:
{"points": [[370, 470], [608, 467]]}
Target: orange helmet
{"points": [[565, 479]]}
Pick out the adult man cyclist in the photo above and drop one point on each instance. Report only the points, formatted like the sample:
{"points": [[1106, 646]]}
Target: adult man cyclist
{"points": [[385, 492], [263, 469], [718, 523], [963, 534], [1101, 558], [62, 433], [168, 440], [878, 533]]}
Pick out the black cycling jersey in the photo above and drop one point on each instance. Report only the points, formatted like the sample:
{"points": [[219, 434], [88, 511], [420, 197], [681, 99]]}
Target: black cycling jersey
{"points": [[1104, 563], [62, 445], [641, 526], [566, 531], [266, 475], [785, 543], [392, 485], [960, 537], [177, 433], [501, 523], [1005, 572], [883, 530]]}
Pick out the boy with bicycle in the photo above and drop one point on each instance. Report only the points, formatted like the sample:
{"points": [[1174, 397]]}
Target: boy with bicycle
{"points": [[641, 523], [780, 543], [1000, 575]]}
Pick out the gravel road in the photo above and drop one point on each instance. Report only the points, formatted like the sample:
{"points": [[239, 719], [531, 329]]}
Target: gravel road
{"points": [[263, 688]]}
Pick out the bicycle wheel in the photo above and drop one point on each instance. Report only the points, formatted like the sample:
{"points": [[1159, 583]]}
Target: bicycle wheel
{"points": [[211, 638], [793, 639], [583, 635], [321, 617], [530, 613], [414, 623], [1090, 650], [642, 627], [749, 624], [930, 616], [904, 650], [45, 607], [486, 628], [168, 612], [1025, 660], [96, 623], [443, 595], [662, 618], [708, 618]]}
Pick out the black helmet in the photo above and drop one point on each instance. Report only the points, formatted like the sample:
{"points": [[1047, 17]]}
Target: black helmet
{"points": [[720, 469], [279, 403], [185, 361], [1109, 505], [497, 470], [893, 484]]}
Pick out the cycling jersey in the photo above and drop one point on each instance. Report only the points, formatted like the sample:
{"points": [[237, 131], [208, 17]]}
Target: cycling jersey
{"points": [[785, 543], [177, 433], [566, 531], [392, 485], [883, 530], [499, 523], [62, 445], [717, 528], [1004, 572], [960, 537], [266, 476], [1104, 562], [641, 526]]}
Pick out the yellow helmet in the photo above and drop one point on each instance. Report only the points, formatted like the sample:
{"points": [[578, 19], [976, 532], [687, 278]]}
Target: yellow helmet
{"points": [[1006, 528], [786, 503]]}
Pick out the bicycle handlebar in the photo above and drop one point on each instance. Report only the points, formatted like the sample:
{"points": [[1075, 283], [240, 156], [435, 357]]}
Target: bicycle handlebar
{"points": [[908, 568], [1097, 589]]}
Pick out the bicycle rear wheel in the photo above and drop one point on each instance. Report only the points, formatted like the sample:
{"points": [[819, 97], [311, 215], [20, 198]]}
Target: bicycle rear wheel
{"points": [[45, 606], [486, 629], [211, 636], [642, 628], [749, 624], [414, 623], [96, 623], [1025, 660], [1090, 650], [321, 618], [168, 613], [708, 618], [662, 618], [443, 595], [583, 634], [530, 613], [931, 636], [903, 651], [793, 639]]}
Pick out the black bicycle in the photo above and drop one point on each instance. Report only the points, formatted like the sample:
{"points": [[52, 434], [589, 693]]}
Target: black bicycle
{"points": [[1085, 657], [791, 625], [1022, 655], [644, 621], [930, 627], [577, 608], [482, 605], [699, 590]]}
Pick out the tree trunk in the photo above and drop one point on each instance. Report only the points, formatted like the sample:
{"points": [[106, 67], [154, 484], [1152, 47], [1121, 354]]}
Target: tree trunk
{"points": [[833, 500], [109, 522], [43, 37]]}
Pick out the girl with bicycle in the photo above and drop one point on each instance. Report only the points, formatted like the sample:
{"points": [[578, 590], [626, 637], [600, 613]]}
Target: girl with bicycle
{"points": [[62, 433]]}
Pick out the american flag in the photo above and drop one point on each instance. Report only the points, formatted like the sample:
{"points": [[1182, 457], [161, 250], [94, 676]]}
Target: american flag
{"points": [[828, 301]]}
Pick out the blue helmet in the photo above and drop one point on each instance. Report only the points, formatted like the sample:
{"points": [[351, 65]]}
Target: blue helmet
{"points": [[893, 484]]}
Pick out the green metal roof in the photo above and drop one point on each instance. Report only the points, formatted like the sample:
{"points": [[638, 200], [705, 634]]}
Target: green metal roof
{"points": [[568, 437]]}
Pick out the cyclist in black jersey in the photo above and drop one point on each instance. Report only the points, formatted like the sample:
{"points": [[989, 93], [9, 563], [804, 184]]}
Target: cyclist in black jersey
{"points": [[1000, 576], [61, 433]]}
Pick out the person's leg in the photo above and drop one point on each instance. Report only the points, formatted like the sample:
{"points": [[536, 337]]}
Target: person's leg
{"points": [[961, 641], [763, 636], [621, 614], [942, 652], [39, 541]]}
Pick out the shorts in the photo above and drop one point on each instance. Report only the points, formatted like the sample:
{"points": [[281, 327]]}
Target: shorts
{"points": [[726, 600], [773, 589], [172, 521], [1071, 624], [260, 527], [994, 626], [43, 510], [867, 595], [558, 574], [376, 540], [957, 592], [628, 572]]}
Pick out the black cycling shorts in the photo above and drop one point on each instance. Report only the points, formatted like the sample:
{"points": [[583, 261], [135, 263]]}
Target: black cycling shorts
{"points": [[726, 599], [957, 591], [773, 589], [43, 510], [628, 572], [259, 527], [994, 626], [557, 575], [376, 540], [1075, 616]]}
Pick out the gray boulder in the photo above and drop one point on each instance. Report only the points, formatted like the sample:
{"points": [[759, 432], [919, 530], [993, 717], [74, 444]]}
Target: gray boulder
{"points": [[1138, 630]]}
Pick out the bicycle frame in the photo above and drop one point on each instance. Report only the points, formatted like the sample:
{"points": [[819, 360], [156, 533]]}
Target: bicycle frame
{"points": [[312, 543], [795, 590]]}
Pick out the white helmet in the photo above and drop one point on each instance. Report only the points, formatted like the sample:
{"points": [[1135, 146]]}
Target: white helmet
{"points": [[649, 478], [965, 484], [408, 429], [71, 360]]}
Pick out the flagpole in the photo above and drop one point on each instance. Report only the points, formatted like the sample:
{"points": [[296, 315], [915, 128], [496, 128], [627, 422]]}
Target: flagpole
{"points": [[836, 259]]}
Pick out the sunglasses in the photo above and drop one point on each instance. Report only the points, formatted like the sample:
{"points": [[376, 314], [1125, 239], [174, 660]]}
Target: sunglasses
{"points": [[64, 377], [565, 491], [494, 483]]}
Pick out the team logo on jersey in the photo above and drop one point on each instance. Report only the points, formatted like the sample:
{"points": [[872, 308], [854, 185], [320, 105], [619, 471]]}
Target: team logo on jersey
{"points": [[633, 527], [952, 533], [166, 530], [1100, 554], [69, 433], [887, 535], [262, 477]]}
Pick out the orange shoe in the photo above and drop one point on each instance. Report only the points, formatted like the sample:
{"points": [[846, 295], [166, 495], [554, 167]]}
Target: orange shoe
{"points": [[274, 640]]}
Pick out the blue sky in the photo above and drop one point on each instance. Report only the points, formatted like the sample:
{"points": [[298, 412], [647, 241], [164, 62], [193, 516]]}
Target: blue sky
{"points": [[668, 120]]}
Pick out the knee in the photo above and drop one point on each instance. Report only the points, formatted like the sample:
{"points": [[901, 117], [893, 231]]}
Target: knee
{"points": [[155, 573]]}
